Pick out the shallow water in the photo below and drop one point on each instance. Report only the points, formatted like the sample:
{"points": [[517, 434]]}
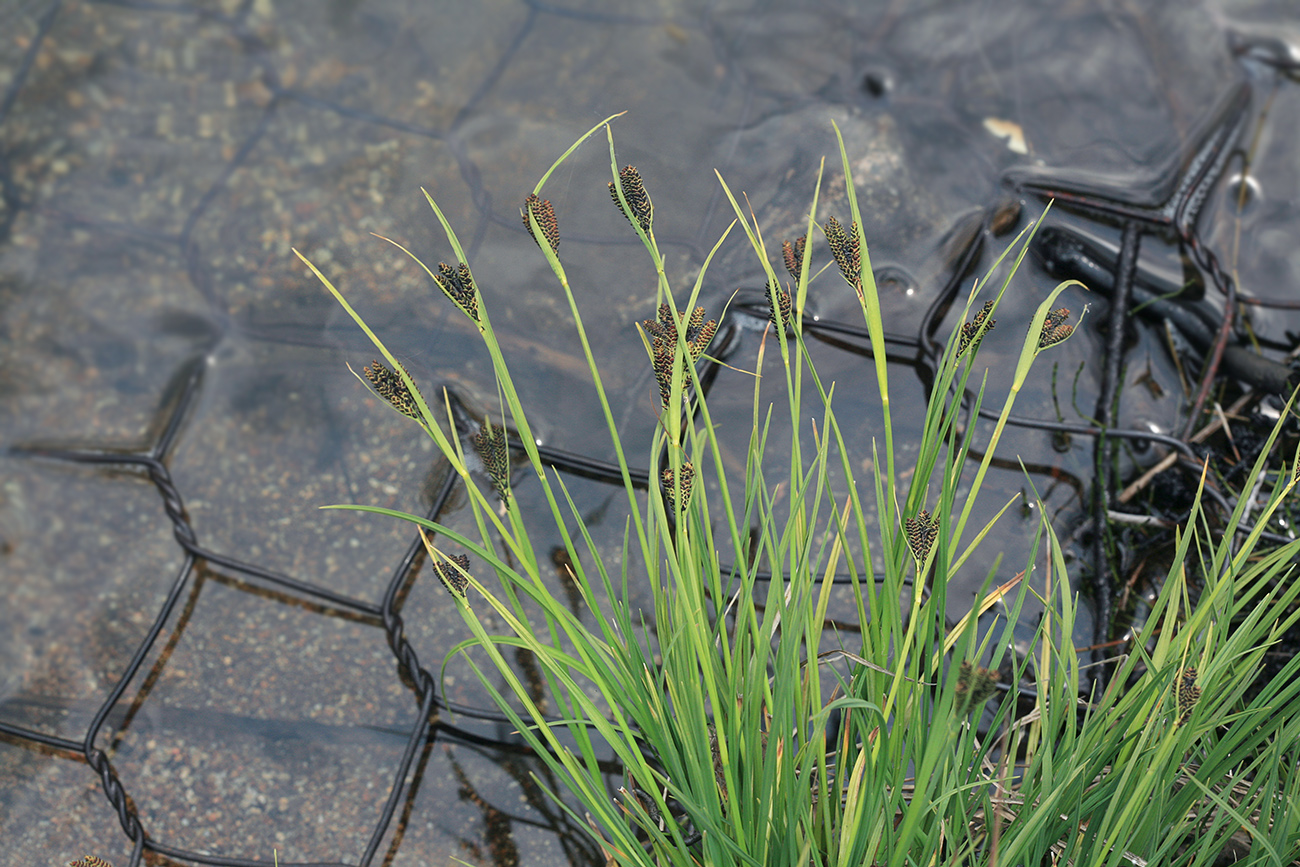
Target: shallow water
{"points": [[160, 160]]}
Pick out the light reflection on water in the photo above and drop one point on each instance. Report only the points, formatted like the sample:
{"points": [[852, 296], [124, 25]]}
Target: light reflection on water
{"points": [[162, 160]]}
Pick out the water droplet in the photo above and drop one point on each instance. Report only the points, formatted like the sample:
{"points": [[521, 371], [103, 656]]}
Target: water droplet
{"points": [[1243, 192]]}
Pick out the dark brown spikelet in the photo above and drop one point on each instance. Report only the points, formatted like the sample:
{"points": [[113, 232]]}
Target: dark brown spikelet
{"points": [[846, 250], [1058, 334], [490, 444], [458, 285], [1055, 328], [89, 861], [921, 533], [973, 332], [643, 799], [683, 490], [699, 341], [782, 314], [663, 343], [450, 577], [1188, 694], [1055, 318], [975, 686], [696, 322], [390, 387], [638, 200], [663, 366], [544, 214], [793, 255]]}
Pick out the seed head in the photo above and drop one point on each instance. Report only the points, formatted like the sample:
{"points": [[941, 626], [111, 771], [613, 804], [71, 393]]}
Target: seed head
{"points": [[973, 332], [700, 340], [781, 315], [490, 444], [544, 214], [643, 799], [1188, 694], [451, 578], [638, 200], [663, 342], [683, 489], [389, 385], [921, 533], [458, 285], [975, 686], [793, 255], [1054, 328], [846, 250]]}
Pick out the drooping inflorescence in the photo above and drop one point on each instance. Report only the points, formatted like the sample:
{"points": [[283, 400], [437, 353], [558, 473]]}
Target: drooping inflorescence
{"points": [[452, 578], [1055, 328], [544, 214], [458, 285], [490, 444], [390, 387], [663, 343], [847, 250], [638, 200], [921, 533], [973, 332]]}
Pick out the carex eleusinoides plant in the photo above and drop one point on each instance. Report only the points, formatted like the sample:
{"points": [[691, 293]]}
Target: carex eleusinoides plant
{"points": [[694, 658]]}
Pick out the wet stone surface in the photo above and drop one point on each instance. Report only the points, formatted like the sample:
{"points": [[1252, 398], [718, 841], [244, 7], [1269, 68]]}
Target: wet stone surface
{"points": [[167, 366]]}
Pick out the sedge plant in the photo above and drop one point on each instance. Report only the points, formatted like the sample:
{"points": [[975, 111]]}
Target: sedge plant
{"points": [[745, 735]]}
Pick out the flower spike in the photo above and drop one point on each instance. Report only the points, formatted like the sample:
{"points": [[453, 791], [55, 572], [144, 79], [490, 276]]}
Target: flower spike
{"points": [[847, 251], [674, 492], [975, 685], [458, 285], [973, 332], [544, 214], [389, 385], [1055, 328], [663, 343], [638, 200], [782, 315], [1188, 694], [450, 576], [793, 255], [490, 444], [921, 533]]}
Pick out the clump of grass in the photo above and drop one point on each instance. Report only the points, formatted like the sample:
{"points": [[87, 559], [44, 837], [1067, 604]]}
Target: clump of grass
{"points": [[715, 703]]}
